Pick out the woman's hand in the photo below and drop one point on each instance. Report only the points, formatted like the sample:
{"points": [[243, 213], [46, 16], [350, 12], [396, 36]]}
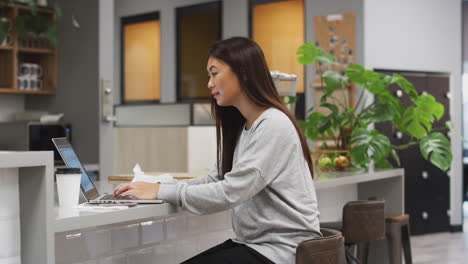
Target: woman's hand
{"points": [[138, 190]]}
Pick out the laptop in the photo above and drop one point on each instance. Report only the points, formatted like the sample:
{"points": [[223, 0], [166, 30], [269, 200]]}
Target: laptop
{"points": [[88, 188]]}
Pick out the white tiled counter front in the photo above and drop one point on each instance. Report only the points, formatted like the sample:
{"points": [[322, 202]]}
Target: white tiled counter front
{"points": [[170, 238], [10, 244], [26, 191], [164, 233]]}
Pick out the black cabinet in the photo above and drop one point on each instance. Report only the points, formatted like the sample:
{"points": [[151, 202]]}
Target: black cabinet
{"points": [[427, 193]]}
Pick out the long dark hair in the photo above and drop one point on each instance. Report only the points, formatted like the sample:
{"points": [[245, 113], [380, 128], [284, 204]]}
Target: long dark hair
{"points": [[247, 62]]}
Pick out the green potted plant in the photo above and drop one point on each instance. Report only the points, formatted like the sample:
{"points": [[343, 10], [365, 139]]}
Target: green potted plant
{"points": [[348, 125], [4, 29], [5, 22], [34, 25]]}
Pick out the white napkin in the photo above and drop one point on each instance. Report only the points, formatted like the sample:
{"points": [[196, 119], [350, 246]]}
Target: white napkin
{"points": [[139, 175]]}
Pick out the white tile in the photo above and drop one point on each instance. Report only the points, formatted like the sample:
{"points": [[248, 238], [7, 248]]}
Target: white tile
{"points": [[152, 232], [196, 224], [12, 260], [10, 242], [209, 240], [142, 256], [9, 176], [201, 148], [97, 242], [118, 259], [165, 254], [9, 191], [175, 227], [186, 249], [89, 262], [124, 237], [69, 248]]}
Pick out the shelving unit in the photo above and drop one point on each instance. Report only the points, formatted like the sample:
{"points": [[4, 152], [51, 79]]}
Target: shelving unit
{"points": [[32, 50]]}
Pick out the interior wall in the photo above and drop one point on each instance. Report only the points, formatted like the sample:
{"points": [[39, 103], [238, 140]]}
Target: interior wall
{"points": [[465, 34], [9, 104], [106, 73], [421, 35], [234, 24], [78, 81], [327, 7]]}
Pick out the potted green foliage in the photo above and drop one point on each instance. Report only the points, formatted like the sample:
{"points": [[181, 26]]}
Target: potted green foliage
{"points": [[349, 125], [5, 23], [4, 28], [36, 26]]}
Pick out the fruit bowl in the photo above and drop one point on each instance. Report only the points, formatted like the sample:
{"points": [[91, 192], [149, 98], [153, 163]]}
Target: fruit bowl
{"points": [[331, 160]]}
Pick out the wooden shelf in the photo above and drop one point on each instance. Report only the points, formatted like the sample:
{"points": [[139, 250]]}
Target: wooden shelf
{"points": [[36, 50], [27, 7], [4, 47], [32, 51], [14, 91]]}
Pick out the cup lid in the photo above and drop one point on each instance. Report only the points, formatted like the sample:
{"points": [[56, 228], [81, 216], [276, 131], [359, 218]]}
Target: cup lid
{"points": [[68, 170]]}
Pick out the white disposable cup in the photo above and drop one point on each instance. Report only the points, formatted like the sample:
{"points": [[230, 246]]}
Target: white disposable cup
{"points": [[68, 186]]}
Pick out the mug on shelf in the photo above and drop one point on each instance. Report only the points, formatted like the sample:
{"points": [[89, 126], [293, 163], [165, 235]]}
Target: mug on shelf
{"points": [[32, 69]]}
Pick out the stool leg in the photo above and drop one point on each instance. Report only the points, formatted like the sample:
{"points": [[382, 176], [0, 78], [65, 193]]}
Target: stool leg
{"points": [[393, 234], [350, 258], [405, 230], [363, 252]]}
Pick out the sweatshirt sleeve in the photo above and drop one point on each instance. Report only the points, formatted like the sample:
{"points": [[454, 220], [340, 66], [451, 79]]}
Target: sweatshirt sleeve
{"points": [[264, 157]]}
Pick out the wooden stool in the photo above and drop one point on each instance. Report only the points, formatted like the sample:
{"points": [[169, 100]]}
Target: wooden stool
{"points": [[327, 249], [397, 232], [363, 222]]}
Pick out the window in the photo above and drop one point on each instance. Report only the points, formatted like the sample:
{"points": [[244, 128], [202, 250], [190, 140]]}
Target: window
{"points": [[141, 42], [278, 27], [198, 27]]}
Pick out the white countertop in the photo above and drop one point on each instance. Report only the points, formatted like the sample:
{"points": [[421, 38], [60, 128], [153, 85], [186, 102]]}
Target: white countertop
{"points": [[18, 159], [344, 178], [74, 219]]}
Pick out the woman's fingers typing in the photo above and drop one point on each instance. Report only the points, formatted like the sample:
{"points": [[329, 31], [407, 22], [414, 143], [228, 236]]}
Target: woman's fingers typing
{"points": [[138, 190], [122, 188]]}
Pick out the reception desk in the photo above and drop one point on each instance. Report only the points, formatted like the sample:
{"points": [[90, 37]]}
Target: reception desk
{"points": [[161, 233]]}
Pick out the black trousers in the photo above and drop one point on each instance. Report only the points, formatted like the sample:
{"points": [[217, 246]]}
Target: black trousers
{"points": [[229, 252]]}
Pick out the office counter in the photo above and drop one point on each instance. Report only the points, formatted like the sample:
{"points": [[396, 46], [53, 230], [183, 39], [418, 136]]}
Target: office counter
{"points": [[26, 213], [147, 233], [165, 233], [144, 234]]}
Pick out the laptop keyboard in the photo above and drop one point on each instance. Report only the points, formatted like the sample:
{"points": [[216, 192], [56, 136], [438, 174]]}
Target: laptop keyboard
{"points": [[112, 197]]}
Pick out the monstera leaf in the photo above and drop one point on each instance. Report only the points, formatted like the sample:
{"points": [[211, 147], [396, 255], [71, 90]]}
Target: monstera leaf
{"points": [[404, 84], [387, 109], [435, 148], [372, 81], [417, 120], [333, 80], [365, 141], [312, 126], [311, 54]]}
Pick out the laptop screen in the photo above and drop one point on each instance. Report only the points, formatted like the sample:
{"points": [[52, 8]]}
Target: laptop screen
{"points": [[71, 160]]}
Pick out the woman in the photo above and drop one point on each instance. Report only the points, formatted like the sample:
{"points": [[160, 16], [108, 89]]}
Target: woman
{"points": [[264, 170]]}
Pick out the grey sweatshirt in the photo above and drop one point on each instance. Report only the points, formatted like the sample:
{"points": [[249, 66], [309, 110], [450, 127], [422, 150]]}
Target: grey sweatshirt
{"points": [[269, 190]]}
